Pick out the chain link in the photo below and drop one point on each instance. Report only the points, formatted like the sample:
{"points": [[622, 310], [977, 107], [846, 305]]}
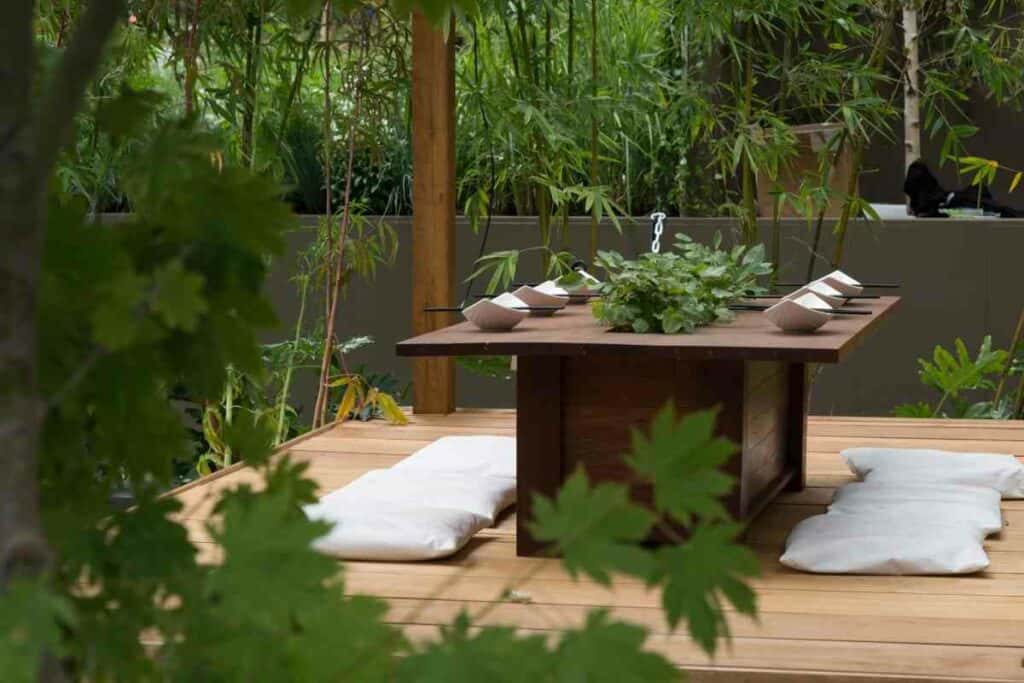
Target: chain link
{"points": [[657, 227]]}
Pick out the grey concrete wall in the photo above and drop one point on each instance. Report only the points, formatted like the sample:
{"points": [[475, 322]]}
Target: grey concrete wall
{"points": [[960, 278]]}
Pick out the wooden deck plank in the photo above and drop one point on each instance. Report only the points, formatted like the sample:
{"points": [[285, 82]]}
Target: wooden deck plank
{"points": [[876, 658], [810, 627]]}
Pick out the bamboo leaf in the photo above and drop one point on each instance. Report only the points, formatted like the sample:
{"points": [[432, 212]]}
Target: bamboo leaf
{"points": [[348, 402], [390, 409]]}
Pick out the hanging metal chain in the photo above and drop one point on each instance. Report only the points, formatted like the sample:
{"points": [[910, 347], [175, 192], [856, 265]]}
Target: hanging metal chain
{"points": [[657, 227]]}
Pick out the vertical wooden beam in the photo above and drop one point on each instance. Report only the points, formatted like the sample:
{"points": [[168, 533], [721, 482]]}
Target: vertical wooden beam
{"points": [[433, 198]]}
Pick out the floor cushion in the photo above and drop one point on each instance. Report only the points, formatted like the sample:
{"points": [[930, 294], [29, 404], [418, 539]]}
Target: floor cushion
{"points": [[974, 505], [479, 455], [484, 496], [395, 532], [884, 543], [1004, 473]]}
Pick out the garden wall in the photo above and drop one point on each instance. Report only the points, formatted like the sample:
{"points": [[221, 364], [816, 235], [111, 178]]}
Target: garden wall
{"points": [[960, 278]]}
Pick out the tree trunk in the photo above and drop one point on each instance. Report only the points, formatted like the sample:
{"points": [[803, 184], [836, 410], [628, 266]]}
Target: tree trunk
{"points": [[26, 164], [23, 549]]}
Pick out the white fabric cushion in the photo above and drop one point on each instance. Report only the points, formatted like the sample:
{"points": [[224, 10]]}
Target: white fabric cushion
{"points": [[973, 505], [367, 530], [483, 496], [1001, 472], [883, 543], [473, 455]]}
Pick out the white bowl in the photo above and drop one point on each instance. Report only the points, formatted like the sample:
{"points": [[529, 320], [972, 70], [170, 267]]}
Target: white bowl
{"points": [[800, 314], [827, 293], [842, 282], [496, 315], [551, 288], [582, 294], [532, 296]]}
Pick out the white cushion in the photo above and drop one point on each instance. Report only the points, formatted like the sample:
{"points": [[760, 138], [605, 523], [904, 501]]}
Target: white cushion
{"points": [[364, 530], [1001, 472], [472, 455], [484, 496], [973, 505], [883, 543]]}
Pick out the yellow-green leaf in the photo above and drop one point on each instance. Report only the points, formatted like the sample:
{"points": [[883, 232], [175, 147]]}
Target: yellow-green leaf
{"points": [[392, 412], [348, 402], [1016, 180]]}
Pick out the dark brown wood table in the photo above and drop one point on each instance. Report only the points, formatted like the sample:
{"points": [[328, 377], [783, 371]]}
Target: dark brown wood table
{"points": [[580, 389]]}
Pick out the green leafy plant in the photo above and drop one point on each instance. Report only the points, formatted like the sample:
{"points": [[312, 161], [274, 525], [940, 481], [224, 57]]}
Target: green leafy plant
{"points": [[599, 530], [957, 377], [102, 320], [363, 400], [677, 291]]}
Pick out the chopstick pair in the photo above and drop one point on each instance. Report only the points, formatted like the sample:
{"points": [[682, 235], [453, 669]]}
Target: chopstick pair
{"points": [[868, 285], [589, 295], [458, 309], [843, 296], [755, 307]]}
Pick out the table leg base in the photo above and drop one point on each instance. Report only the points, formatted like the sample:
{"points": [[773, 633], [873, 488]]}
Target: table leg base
{"points": [[579, 411]]}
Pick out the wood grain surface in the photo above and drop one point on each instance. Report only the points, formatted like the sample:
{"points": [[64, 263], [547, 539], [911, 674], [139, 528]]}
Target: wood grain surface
{"points": [[810, 628], [574, 332]]}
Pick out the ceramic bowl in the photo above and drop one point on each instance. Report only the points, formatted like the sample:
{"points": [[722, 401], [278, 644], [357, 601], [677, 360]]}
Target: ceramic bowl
{"points": [[584, 292], [804, 313], [827, 293], [533, 296], [496, 315], [842, 282]]}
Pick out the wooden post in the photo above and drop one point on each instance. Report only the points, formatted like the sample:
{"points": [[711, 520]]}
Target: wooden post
{"points": [[433, 200]]}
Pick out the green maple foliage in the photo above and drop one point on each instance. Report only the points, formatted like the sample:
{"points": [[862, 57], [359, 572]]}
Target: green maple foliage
{"points": [[172, 297], [597, 528]]}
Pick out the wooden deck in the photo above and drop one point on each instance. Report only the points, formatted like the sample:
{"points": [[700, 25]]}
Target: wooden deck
{"points": [[839, 628]]}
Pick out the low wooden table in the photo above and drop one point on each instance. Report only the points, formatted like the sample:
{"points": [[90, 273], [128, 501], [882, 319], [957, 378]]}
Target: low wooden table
{"points": [[580, 389]]}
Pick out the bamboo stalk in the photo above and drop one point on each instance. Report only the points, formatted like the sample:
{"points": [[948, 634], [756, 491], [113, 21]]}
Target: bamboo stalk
{"points": [[339, 256], [749, 221], [191, 57], [282, 401], [876, 60], [827, 173], [593, 126], [1009, 362]]}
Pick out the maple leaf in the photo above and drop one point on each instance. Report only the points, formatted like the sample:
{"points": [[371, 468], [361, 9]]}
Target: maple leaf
{"points": [[251, 439], [595, 529], [698, 573], [682, 459], [493, 654], [606, 651], [178, 298], [31, 617]]}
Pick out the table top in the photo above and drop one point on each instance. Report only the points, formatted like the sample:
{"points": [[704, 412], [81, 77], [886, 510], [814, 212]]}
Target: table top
{"points": [[574, 331]]}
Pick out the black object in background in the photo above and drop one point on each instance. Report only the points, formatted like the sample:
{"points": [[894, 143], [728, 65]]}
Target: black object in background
{"points": [[928, 198]]}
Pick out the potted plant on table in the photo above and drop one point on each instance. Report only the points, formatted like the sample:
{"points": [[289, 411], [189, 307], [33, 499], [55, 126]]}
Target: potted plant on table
{"points": [[677, 291]]}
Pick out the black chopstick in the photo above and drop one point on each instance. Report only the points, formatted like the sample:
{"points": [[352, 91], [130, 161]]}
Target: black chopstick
{"points": [[458, 309], [841, 296], [589, 295], [871, 285], [836, 311]]}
